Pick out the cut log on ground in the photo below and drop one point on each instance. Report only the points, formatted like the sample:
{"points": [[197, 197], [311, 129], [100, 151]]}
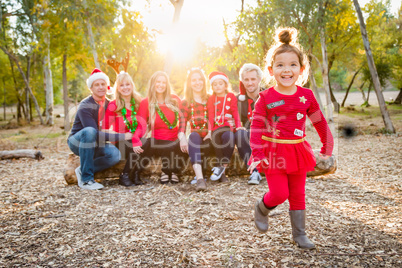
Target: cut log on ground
{"points": [[24, 153], [236, 168]]}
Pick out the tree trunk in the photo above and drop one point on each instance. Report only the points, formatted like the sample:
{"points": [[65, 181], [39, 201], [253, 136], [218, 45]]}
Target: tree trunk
{"points": [[24, 153], [48, 83], [333, 99], [26, 83], [314, 88], [90, 35], [366, 100], [27, 103], [324, 68], [350, 85], [373, 71], [399, 98], [27, 108], [4, 99], [178, 4], [65, 95], [362, 91]]}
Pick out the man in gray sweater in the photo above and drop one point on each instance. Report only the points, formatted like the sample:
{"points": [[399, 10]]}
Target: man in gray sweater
{"points": [[87, 140]]}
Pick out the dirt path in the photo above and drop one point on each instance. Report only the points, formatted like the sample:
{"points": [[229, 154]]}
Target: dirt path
{"points": [[353, 217]]}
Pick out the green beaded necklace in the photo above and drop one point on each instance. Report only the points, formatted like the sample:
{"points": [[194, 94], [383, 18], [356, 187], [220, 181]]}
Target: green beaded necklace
{"points": [[164, 119], [131, 127]]}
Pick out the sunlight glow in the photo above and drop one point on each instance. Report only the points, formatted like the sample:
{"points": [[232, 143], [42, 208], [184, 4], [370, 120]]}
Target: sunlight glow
{"points": [[179, 40]]}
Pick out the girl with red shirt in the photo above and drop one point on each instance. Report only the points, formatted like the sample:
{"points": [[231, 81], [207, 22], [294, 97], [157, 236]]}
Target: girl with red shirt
{"points": [[195, 111], [222, 107], [120, 117], [161, 110], [277, 136]]}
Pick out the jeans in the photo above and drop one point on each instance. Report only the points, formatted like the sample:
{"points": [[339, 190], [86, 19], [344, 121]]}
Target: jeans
{"points": [[198, 149], [93, 158], [223, 143], [173, 159]]}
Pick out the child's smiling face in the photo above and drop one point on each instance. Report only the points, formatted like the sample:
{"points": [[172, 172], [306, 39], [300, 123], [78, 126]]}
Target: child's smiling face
{"points": [[219, 87], [286, 70]]}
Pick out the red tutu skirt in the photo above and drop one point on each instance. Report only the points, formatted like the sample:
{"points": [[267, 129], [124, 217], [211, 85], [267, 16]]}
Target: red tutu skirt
{"points": [[288, 158]]}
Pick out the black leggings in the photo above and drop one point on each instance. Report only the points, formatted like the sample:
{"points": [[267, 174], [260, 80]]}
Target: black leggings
{"points": [[173, 159], [133, 161]]}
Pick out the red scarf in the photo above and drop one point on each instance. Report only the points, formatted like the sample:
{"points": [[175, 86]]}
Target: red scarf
{"points": [[101, 113], [250, 110]]}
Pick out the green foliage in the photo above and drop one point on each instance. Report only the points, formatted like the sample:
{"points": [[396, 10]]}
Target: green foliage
{"points": [[118, 29]]}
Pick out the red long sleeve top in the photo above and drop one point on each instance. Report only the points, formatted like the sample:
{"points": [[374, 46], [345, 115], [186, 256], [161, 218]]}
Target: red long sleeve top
{"points": [[116, 120], [197, 114], [224, 110], [160, 130], [284, 117]]}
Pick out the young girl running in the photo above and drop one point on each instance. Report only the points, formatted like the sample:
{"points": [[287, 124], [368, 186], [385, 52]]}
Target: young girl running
{"points": [[195, 111], [222, 107], [121, 117], [161, 110], [277, 136]]}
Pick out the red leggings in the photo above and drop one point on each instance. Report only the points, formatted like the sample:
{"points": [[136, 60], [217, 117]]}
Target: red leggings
{"points": [[284, 186]]}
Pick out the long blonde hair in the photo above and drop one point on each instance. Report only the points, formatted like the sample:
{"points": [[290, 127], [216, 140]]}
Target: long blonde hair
{"points": [[123, 76], [286, 41], [188, 91], [153, 101]]}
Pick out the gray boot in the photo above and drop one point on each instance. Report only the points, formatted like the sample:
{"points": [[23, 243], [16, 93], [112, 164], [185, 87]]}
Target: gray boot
{"points": [[261, 216], [298, 221]]}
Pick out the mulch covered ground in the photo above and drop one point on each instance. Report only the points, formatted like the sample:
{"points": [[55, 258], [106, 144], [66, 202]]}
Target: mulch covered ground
{"points": [[354, 216]]}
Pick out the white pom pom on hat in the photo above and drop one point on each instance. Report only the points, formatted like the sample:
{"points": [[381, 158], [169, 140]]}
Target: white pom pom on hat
{"points": [[242, 90], [98, 74]]}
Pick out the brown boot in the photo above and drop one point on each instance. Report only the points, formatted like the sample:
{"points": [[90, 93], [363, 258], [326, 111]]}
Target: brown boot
{"points": [[224, 179], [298, 221], [261, 216], [201, 185]]}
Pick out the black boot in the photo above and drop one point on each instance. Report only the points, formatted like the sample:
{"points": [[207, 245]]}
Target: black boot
{"points": [[124, 179], [136, 179]]}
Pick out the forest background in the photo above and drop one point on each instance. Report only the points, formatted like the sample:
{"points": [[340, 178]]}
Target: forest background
{"points": [[49, 47]]}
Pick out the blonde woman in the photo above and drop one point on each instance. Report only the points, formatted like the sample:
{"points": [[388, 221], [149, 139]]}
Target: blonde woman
{"points": [[161, 109], [121, 117]]}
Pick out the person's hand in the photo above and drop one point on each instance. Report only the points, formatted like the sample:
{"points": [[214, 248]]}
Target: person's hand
{"points": [[128, 136], [240, 128], [208, 136], [255, 164], [183, 144], [231, 121], [138, 149], [323, 156]]}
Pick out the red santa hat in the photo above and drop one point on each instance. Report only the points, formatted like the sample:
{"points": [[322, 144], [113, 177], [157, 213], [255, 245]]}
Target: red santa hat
{"points": [[218, 75], [98, 74], [242, 90]]}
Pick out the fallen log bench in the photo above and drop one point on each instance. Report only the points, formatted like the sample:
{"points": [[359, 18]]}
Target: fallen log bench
{"points": [[23, 153], [236, 168]]}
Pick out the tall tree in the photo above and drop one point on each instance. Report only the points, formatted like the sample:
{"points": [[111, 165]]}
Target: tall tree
{"points": [[178, 4], [325, 75], [373, 71], [90, 34]]}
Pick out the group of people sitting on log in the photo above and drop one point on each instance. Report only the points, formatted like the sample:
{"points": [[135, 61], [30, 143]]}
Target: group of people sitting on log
{"points": [[266, 125]]}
